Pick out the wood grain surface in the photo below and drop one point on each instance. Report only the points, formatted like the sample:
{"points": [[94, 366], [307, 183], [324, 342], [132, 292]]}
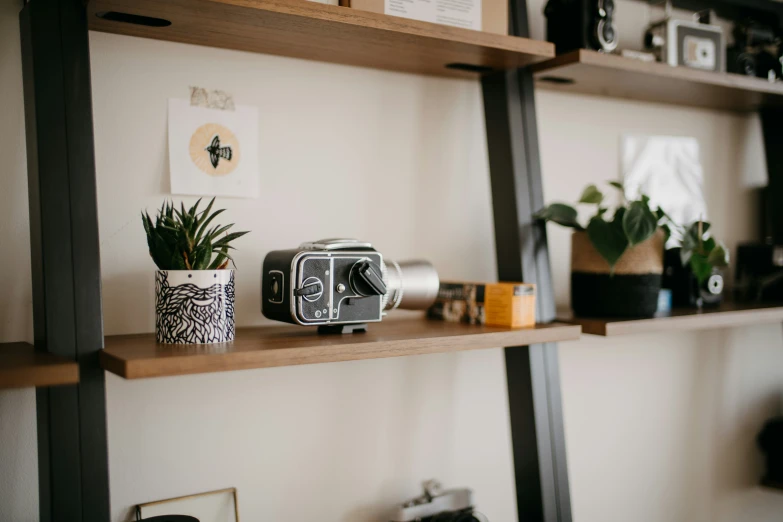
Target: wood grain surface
{"points": [[327, 33], [138, 356], [21, 366], [728, 315], [618, 77]]}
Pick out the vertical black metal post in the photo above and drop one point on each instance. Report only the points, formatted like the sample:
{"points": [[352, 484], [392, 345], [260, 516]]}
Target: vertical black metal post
{"points": [[772, 128], [532, 372], [72, 447]]}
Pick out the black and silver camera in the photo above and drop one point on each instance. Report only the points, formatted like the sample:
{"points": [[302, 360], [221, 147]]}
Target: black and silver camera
{"points": [[436, 505], [581, 24], [757, 51], [336, 282], [681, 43]]}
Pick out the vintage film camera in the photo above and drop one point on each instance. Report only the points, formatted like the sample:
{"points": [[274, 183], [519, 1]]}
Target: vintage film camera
{"points": [[581, 24], [757, 51], [336, 282], [436, 505], [696, 44]]}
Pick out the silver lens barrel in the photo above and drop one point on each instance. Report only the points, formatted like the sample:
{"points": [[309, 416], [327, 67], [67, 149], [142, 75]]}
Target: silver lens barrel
{"points": [[411, 285]]}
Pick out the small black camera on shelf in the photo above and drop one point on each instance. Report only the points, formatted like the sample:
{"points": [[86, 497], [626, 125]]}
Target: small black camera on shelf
{"points": [[581, 24], [757, 51], [341, 284], [436, 505], [686, 289]]}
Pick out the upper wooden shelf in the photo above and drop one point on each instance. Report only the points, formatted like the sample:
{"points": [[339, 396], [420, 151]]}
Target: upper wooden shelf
{"points": [[139, 356], [726, 316], [590, 72], [326, 33], [21, 366]]}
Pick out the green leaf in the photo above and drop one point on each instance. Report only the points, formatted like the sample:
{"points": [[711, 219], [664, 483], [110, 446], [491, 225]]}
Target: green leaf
{"points": [[223, 241], [560, 213], [619, 186], [608, 239], [719, 256], [701, 267], [667, 233], [639, 223], [591, 195]]}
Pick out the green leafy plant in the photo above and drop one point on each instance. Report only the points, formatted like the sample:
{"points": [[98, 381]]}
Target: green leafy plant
{"points": [[631, 223], [701, 252], [181, 239]]}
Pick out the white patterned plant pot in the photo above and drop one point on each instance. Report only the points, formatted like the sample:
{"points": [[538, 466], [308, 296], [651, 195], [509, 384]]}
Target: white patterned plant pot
{"points": [[194, 306]]}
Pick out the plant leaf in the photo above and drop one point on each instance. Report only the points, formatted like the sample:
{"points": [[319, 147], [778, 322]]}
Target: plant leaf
{"points": [[560, 213], [639, 223], [591, 195], [608, 239], [719, 256], [619, 186], [701, 267]]}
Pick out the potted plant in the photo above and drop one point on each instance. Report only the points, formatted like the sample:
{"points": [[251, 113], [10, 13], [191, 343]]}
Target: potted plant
{"points": [[617, 257], [694, 268], [194, 288]]}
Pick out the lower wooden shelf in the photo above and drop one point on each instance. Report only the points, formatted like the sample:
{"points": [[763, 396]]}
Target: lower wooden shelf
{"points": [[21, 367], [726, 316], [139, 356]]}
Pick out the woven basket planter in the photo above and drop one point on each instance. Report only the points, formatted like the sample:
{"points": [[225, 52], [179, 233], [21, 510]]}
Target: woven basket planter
{"points": [[633, 289]]}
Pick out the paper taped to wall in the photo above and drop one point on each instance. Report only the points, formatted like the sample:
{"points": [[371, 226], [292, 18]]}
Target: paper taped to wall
{"points": [[669, 171], [213, 152]]}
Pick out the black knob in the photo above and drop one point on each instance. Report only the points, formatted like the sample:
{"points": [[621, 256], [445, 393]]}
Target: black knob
{"points": [[366, 279]]}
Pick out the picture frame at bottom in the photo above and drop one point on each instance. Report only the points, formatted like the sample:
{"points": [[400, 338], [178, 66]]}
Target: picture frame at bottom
{"points": [[212, 506]]}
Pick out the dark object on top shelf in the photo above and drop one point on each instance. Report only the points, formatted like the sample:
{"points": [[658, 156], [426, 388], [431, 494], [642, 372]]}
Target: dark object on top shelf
{"points": [[759, 274], [436, 505], [334, 282], [581, 24], [685, 287], [757, 50], [770, 441], [680, 43]]}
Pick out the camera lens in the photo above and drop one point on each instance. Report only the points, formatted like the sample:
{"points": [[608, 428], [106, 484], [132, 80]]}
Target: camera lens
{"points": [[412, 285], [609, 33]]}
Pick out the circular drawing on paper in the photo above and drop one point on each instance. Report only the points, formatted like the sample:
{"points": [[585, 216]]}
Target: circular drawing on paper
{"points": [[214, 149]]}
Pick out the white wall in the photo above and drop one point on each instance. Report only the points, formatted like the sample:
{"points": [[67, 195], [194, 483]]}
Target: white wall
{"points": [[659, 427]]}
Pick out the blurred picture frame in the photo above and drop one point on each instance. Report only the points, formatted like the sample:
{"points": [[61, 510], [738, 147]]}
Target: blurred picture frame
{"points": [[211, 506]]}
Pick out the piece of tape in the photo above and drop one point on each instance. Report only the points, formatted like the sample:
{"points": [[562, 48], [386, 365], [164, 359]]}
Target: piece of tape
{"points": [[211, 99]]}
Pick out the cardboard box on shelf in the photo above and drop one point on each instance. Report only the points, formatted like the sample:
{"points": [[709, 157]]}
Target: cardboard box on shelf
{"points": [[493, 304], [490, 16]]}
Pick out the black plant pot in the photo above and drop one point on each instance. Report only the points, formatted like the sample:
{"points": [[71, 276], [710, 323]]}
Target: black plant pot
{"points": [[632, 291]]}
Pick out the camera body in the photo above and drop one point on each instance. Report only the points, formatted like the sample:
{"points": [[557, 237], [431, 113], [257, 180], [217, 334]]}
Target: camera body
{"points": [[681, 43], [436, 505], [757, 51], [686, 290], [581, 24], [335, 282]]}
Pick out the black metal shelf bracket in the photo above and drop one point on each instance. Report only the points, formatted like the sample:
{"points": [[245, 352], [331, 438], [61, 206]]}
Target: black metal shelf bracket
{"points": [[532, 372], [72, 441]]}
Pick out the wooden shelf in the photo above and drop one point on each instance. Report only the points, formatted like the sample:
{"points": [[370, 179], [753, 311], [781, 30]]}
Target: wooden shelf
{"points": [[726, 316], [326, 33], [139, 356], [21, 366], [590, 72]]}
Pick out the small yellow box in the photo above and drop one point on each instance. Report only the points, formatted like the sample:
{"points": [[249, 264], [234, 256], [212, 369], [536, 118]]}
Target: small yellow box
{"points": [[493, 304]]}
